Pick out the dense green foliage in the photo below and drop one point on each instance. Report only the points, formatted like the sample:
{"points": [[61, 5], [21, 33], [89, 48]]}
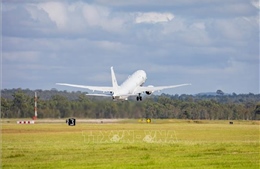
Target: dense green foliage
{"points": [[18, 103]]}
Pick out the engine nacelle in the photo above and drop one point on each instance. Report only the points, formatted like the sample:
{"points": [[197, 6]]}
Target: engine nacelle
{"points": [[149, 92]]}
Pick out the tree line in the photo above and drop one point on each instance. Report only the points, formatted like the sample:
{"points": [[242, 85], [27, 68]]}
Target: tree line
{"points": [[19, 103]]}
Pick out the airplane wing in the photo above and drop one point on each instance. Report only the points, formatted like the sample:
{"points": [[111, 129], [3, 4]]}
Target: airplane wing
{"points": [[94, 88], [142, 89], [103, 95]]}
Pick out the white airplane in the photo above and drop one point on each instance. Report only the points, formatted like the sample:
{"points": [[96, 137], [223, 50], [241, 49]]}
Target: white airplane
{"points": [[133, 86]]}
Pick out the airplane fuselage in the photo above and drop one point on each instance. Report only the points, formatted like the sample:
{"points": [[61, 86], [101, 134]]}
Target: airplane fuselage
{"points": [[128, 87]]}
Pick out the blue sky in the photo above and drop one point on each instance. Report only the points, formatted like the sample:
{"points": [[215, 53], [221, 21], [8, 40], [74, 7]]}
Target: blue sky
{"points": [[211, 44]]}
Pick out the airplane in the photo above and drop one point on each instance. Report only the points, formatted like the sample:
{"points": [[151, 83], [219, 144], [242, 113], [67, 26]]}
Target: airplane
{"points": [[133, 86]]}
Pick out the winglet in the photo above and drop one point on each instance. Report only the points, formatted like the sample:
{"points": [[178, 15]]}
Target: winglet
{"points": [[114, 81]]}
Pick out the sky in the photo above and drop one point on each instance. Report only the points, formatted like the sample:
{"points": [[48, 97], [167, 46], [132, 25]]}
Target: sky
{"points": [[214, 45]]}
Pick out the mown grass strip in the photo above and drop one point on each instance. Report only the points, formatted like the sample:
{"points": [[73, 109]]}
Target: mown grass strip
{"points": [[131, 145]]}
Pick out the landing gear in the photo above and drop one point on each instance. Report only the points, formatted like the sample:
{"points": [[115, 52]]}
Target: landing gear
{"points": [[139, 97]]}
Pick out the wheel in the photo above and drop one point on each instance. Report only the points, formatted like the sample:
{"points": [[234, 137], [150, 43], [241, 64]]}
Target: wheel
{"points": [[139, 98]]}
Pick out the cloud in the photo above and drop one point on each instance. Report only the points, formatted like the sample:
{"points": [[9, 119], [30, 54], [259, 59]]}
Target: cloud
{"points": [[255, 3], [153, 17], [95, 15], [233, 29], [56, 12], [25, 57], [78, 17], [174, 41], [99, 16]]}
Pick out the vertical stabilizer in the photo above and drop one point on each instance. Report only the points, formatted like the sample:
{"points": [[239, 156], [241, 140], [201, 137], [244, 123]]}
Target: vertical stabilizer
{"points": [[114, 81]]}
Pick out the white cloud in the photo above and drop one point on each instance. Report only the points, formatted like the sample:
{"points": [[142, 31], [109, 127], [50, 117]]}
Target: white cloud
{"points": [[112, 46], [95, 15], [182, 31], [198, 25], [182, 41], [153, 17], [255, 3], [21, 56], [233, 29], [102, 17], [79, 15], [56, 11]]}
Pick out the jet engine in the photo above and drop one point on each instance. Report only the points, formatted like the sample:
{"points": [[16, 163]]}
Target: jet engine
{"points": [[149, 92]]}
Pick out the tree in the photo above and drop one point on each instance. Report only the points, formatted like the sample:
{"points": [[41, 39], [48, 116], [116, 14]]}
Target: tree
{"points": [[257, 111], [62, 104], [22, 105], [220, 92], [17, 103], [5, 108]]}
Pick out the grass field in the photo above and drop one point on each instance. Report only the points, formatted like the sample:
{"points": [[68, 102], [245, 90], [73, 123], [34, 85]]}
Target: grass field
{"points": [[131, 144]]}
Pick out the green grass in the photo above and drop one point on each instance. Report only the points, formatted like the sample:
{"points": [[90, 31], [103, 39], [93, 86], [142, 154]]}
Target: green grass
{"points": [[129, 144]]}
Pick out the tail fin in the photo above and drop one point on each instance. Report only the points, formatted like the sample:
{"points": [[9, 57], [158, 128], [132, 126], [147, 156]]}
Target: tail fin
{"points": [[114, 81]]}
